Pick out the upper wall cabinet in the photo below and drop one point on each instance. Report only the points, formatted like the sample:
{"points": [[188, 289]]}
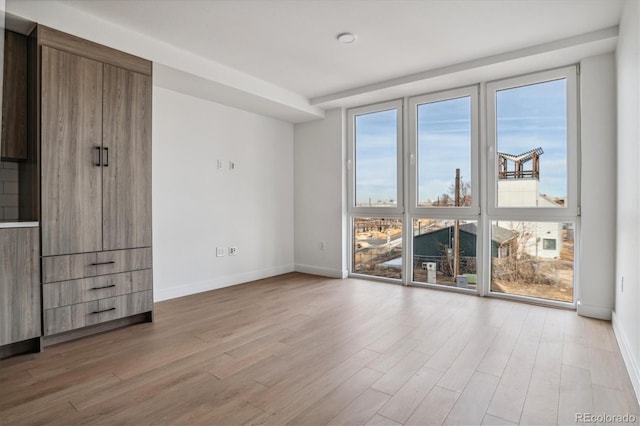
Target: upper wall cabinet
{"points": [[14, 101], [96, 153]]}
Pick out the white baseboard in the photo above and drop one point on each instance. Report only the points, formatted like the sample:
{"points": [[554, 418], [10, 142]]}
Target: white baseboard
{"points": [[323, 272], [630, 362], [594, 311], [160, 294]]}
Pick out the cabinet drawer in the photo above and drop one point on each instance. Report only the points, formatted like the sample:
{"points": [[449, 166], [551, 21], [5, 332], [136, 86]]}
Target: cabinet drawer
{"points": [[74, 266], [83, 290], [59, 268], [124, 306], [81, 315], [110, 262], [70, 317]]}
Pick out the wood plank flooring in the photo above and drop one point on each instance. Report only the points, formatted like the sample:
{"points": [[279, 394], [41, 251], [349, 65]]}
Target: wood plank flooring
{"points": [[304, 350]]}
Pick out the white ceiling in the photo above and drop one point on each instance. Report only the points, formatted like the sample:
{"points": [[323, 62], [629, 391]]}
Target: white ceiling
{"points": [[280, 58], [291, 43]]}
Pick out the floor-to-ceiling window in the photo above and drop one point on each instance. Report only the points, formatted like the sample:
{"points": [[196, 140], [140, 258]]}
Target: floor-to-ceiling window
{"points": [[376, 190], [533, 181], [435, 206], [443, 184]]}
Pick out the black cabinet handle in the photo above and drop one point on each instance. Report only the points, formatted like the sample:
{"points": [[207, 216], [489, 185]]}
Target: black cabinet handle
{"points": [[98, 156], [103, 263], [100, 288], [106, 157], [104, 310]]}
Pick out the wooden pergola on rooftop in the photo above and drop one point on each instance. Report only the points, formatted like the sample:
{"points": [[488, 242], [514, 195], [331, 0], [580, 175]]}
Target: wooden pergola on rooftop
{"points": [[518, 170]]}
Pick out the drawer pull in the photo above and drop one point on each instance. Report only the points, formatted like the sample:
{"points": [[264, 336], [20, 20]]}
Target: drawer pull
{"points": [[100, 288], [103, 263], [104, 310]]}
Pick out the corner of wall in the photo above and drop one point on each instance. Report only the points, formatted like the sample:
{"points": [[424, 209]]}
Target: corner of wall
{"points": [[627, 354], [319, 183], [596, 244], [626, 315], [597, 312], [320, 271]]}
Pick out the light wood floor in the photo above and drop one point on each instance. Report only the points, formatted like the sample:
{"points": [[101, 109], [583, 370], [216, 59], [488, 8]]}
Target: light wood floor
{"points": [[298, 349]]}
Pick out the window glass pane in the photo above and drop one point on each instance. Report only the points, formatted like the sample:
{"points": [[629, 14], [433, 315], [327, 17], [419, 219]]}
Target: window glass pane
{"points": [[533, 259], [377, 247], [532, 145], [376, 174], [438, 259], [444, 153]]}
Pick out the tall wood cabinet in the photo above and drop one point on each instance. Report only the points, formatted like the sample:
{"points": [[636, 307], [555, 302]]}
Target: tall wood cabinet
{"points": [[95, 183]]}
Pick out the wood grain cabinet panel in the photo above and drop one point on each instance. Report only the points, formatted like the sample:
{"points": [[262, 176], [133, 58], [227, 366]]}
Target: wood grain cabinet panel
{"points": [[96, 183], [71, 123], [126, 139], [110, 262], [14, 100], [80, 315], [19, 285], [83, 290], [124, 306], [69, 43], [74, 266], [70, 317], [69, 267]]}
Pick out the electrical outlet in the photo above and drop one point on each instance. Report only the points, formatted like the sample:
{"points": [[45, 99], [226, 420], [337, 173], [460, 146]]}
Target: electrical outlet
{"points": [[220, 165], [219, 251], [233, 251]]}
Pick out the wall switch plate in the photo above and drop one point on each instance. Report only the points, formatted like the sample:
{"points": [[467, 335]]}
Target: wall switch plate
{"points": [[220, 165], [233, 251], [219, 251], [322, 245], [232, 165]]}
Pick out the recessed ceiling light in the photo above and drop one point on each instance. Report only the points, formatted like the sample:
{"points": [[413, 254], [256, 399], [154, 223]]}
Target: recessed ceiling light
{"points": [[346, 38]]}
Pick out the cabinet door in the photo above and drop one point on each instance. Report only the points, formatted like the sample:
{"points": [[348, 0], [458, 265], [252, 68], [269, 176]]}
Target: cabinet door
{"points": [[14, 101], [71, 138], [127, 144], [19, 285]]}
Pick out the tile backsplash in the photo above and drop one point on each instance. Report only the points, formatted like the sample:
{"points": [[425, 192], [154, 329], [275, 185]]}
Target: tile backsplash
{"points": [[8, 191]]}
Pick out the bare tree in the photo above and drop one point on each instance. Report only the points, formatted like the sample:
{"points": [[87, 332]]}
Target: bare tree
{"points": [[521, 266], [465, 189]]}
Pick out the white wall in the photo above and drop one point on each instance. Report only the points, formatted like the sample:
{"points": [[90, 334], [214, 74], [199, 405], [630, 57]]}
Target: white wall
{"points": [[197, 208], [626, 320], [319, 195], [596, 273]]}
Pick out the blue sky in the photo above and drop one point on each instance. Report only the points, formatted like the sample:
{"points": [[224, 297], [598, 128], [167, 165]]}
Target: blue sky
{"points": [[376, 157], [527, 117], [533, 116], [444, 134]]}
